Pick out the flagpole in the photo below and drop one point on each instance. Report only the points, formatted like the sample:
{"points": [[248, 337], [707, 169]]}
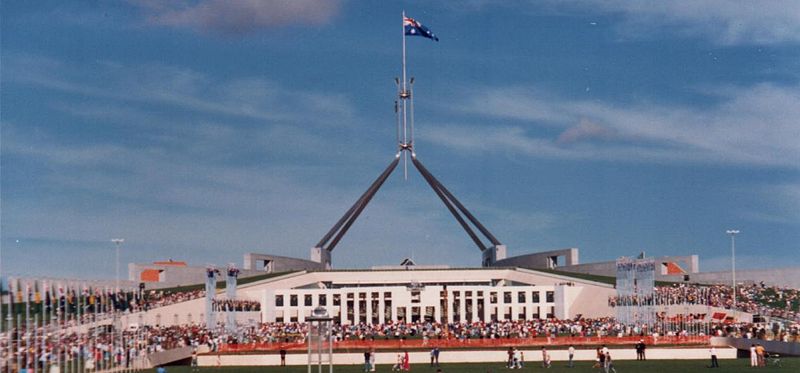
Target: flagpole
{"points": [[27, 323], [403, 98], [9, 323]]}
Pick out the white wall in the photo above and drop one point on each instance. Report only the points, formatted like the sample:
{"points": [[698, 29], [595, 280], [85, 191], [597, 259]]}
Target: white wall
{"points": [[532, 356]]}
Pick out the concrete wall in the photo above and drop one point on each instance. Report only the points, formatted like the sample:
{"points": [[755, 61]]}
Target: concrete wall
{"points": [[688, 263], [532, 356], [581, 296], [279, 263], [783, 277], [177, 276], [773, 347], [541, 260]]}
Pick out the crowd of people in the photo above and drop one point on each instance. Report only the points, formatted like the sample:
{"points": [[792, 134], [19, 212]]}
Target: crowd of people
{"points": [[548, 330], [104, 346], [753, 298], [160, 298], [235, 305]]}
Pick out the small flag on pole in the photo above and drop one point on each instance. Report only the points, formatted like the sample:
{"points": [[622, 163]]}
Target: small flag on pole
{"points": [[415, 28]]}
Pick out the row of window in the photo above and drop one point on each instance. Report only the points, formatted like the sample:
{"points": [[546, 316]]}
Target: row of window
{"points": [[418, 313], [415, 297]]}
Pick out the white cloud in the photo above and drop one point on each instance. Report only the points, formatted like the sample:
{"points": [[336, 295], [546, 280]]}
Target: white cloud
{"points": [[780, 204], [584, 130], [248, 97], [753, 126], [721, 21], [238, 17]]}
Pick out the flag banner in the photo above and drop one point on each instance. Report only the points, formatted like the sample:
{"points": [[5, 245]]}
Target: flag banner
{"points": [[415, 28]]}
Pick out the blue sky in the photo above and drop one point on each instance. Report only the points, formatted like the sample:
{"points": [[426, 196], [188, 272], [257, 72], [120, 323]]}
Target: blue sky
{"points": [[201, 130]]}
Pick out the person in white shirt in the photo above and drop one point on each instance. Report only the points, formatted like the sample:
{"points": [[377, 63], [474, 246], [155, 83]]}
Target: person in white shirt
{"points": [[571, 355], [714, 362], [753, 356]]}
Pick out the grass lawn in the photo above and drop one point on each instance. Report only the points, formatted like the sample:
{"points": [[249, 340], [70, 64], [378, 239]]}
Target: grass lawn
{"points": [[652, 366]]}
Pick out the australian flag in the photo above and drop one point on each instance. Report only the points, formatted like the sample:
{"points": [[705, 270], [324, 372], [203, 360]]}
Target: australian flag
{"points": [[415, 28]]}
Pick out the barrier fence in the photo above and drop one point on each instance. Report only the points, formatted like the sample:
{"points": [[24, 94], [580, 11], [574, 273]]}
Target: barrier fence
{"points": [[421, 344]]}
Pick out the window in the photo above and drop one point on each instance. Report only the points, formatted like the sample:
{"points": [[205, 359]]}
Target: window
{"points": [[415, 298], [535, 297], [521, 297], [323, 300], [507, 297], [293, 300], [387, 295], [493, 297], [337, 299], [279, 301], [307, 300], [550, 297]]}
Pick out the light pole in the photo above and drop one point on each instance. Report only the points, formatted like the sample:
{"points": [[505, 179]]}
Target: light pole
{"points": [[733, 233], [117, 321], [117, 242]]}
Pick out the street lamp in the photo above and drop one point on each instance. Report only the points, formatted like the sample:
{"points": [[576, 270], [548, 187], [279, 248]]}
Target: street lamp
{"points": [[733, 233], [117, 242], [117, 321], [320, 345]]}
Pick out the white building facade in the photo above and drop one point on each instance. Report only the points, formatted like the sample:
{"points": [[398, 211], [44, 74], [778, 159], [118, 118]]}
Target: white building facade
{"points": [[439, 295]]}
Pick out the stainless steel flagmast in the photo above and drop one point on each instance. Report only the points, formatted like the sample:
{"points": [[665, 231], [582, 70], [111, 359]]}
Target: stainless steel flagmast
{"points": [[404, 110], [403, 97]]}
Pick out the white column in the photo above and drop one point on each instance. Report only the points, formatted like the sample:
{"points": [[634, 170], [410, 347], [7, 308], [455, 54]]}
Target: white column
{"points": [[449, 306], [381, 309], [474, 306], [529, 305], [391, 308], [487, 306], [356, 308], [342, 308], [301, 307], [462, 306], [369, 307]]}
